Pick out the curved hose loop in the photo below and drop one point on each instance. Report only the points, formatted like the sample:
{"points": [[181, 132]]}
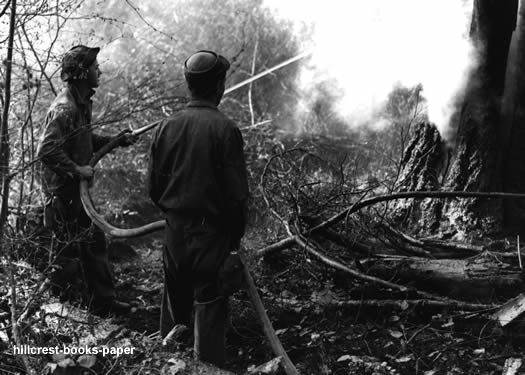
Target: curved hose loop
{"points": [[97, 218]]}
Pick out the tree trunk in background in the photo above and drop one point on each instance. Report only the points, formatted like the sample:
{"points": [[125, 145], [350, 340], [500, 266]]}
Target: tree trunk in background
{"points": [[513, 127], [421, 169], [4, 128]]}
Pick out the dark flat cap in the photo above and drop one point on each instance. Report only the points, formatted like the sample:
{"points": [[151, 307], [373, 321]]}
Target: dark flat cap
{"points": [[76, 60], [205, 67]]}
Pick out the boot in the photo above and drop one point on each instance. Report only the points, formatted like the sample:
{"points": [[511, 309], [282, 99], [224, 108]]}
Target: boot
{"points": [[210, 330]]}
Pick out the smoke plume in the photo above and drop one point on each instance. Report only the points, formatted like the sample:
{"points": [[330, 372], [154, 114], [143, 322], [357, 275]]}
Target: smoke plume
{"points": [[367, 47]]}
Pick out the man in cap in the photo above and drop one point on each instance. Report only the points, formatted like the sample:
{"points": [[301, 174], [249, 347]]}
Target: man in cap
{"points": [[65, 148], [198, 179]]}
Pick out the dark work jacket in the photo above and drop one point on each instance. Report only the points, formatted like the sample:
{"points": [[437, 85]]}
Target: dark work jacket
{"points": [[197, 167], [67, 141]]}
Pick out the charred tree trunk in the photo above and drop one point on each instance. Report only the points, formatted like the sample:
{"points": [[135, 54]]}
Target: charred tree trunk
{"points": [[421, 169], [476, 164], [513, 118]]}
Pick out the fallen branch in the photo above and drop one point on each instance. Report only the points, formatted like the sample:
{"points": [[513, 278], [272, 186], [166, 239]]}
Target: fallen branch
{"points": [[281, 245], [415, 246], [453, 246], [510, 310], [401, 304]]}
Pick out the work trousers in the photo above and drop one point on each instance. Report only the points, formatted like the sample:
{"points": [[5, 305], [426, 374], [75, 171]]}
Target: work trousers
{"points": [[195, 251], [79, 247]]}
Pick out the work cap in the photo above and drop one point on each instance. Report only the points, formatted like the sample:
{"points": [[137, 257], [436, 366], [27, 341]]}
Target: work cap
{"points": [[76, 61], [204, 67]]}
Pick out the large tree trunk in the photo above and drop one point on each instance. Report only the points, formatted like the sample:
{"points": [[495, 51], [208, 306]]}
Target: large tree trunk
{"points": [[513, 120], [477, 159], [479, 155]]}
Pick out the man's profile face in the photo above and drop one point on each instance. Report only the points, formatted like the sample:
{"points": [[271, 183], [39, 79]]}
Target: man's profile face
{"points": [[93, 76]]}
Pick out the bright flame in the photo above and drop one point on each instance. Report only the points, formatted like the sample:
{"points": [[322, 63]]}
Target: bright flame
{"points": [[367, 47]]}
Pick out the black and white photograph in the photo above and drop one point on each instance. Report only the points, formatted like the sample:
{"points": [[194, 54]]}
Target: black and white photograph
{"points": [[262, 187]]}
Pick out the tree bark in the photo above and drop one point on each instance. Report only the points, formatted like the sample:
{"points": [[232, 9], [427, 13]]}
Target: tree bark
{"points": [[4, 128], [476, 164], [421, 169], [513, 118], [480, 160]]}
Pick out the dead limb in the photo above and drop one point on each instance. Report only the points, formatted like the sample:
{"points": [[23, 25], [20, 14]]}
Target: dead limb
{"points": [[280, 245], [510, 310], [453, 246], [276, 345], [401, 304], [410, 245], [429, 247]]}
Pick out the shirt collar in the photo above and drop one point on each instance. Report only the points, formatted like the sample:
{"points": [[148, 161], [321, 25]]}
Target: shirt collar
{"points": [[76, 95], [201, 103]]}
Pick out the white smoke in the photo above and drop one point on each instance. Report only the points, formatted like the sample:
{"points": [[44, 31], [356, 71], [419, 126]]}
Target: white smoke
{"points": [[368, 46]]}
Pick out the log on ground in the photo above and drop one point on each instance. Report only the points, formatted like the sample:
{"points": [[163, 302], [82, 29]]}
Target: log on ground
{"points": [[481, 278]]}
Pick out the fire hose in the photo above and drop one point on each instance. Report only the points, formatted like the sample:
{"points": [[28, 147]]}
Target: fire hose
{"points": [[87, 202]]}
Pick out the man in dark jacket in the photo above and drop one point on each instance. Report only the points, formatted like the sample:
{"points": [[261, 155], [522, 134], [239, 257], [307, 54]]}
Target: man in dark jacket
{"points": [[198, 179], [65, 148]]}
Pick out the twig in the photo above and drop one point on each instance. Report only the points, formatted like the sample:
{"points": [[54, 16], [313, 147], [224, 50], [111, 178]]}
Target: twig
{"points": [[5, 8], [519, 252], [250, 87]]}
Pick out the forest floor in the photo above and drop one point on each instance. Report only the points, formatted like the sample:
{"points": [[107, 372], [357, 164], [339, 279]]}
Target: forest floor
{"points": [[301, 298], [304, 300]]}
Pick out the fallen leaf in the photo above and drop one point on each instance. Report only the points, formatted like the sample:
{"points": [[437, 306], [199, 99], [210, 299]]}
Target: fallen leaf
{"points": [[177, 365], [396, 334], [66, 363], [270, 367], [281, 331], [87, 361], [479, 351], [57, 357], [406, 358]]}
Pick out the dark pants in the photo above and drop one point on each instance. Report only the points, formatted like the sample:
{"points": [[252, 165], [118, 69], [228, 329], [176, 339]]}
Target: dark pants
{"points": [[195, 252], [76, 238]]}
